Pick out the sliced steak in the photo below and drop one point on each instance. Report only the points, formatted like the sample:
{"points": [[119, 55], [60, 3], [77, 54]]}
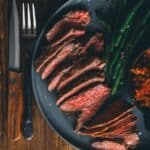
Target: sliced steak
{"points": [[78, 17], [60, 50], [108, 145], [55, 81], [109, 113], [47, 56], [72, 34], [102, 125], [117, 129], [96, 42], [69, 51], [87, 103], [81, 80], [81, 68], [110, 122], [78, 88], [131, 140], [74, 19]]}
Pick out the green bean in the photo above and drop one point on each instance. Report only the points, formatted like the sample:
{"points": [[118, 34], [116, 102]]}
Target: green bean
{"points": [[120, 39], [117, 82], [115, 71], [126, 25], [131, 45], [122, 43]]}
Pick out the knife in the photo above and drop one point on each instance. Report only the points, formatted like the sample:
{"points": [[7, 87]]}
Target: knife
{"points": [[15, 99], [14, 46]]}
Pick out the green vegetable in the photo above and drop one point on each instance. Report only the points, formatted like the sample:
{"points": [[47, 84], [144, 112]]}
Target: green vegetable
{"points": [[119, 40], [127, 23], [130, 47], [125, 40]]}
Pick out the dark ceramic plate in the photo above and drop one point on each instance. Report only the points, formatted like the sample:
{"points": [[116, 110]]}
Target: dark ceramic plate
{"points": [[56, 119]]}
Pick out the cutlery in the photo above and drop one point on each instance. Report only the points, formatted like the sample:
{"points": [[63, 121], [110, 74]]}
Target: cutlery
{"points": [[15, 100], [28, 35]]}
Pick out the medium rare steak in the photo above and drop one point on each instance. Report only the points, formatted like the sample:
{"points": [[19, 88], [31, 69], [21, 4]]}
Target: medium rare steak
{"points": [[69, 51], [81, 67], [113, 123], [55, 81], [108, 145], [47, 56], [113, 126], [129, 142], [85, 78], [87, 103], [96, 42], [78, 88], [112, 114], [60, 50], [74, 19], [72, 34], [76, 73]]}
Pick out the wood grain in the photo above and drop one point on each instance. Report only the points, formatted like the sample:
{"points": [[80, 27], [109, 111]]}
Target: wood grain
{"points": [[3, 71], [44, 138], [15, 105]]}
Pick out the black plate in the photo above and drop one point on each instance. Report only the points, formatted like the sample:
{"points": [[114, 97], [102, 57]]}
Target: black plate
{"points": [[56, 119]]}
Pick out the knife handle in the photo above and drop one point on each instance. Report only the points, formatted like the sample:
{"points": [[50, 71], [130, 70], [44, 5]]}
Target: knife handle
{"points": [[15, 105], [27, 119]]}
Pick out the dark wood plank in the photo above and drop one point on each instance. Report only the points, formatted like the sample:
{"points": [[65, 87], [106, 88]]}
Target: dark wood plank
{"points": [[3, 71]]}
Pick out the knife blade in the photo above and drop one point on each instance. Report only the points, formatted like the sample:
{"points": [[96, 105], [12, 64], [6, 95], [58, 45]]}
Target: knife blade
{"points": [[14, 46], [15, 94]]}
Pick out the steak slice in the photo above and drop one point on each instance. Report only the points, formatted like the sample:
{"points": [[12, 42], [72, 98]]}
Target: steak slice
{"points": [[69, 51], [131, 140], [81, 67], [47, 56], [78, 17], [60, 49], [87, 102], [78, 88], [74, 19], [110, 122], [55, 81], [71, 34], [102, 125], [96, 42], [108, 145], [118, 129], [109, 114]]}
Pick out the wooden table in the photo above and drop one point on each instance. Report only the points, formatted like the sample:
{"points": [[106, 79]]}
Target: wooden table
{"points": [[44, 138]]}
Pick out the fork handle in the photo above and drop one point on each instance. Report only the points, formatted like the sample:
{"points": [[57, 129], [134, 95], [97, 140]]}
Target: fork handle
{"points": [[15, 106], [27, 121]]}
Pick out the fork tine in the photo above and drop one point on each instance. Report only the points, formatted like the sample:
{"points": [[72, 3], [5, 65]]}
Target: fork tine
{"points": [[34, 17], [29, 24], [23, 18], [28, 17]]}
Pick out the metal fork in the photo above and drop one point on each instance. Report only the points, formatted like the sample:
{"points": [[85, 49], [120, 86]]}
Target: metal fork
{"points": [[28, 20], [28, 35]]}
